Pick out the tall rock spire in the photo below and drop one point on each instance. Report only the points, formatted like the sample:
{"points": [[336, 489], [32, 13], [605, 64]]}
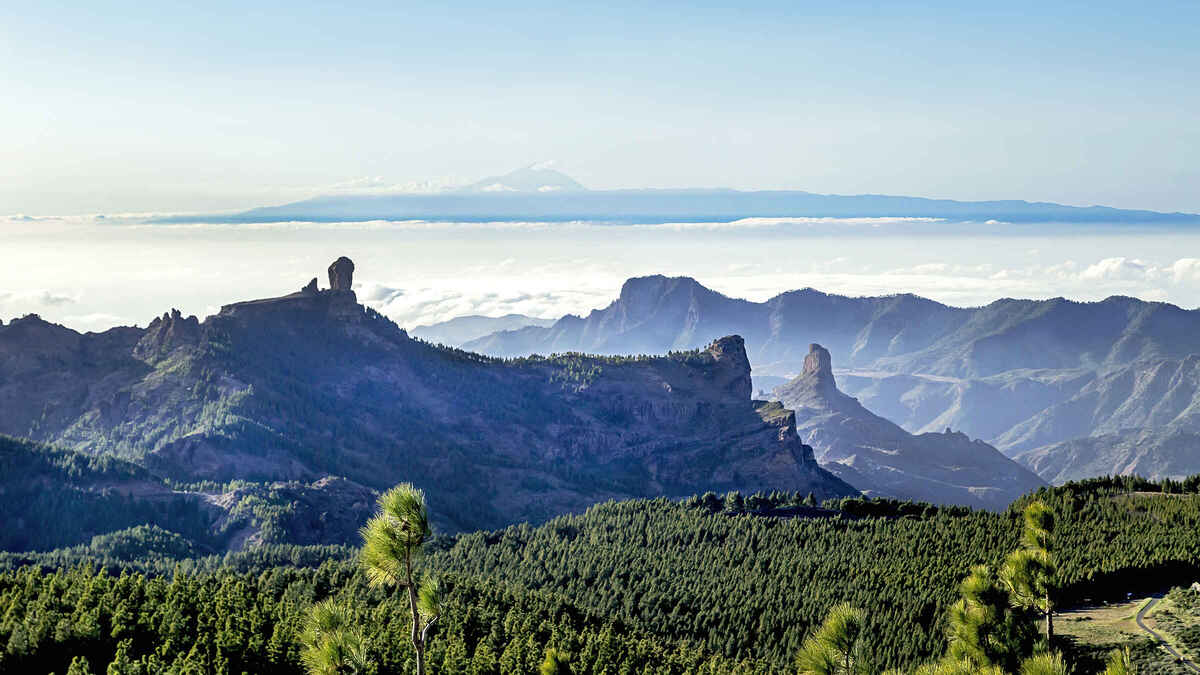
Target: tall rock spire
{"points": [[341, 274]]}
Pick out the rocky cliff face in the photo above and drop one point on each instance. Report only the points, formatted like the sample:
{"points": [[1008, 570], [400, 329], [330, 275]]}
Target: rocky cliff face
{"points": [[312, 383], [1023, 374], [880, 458]]}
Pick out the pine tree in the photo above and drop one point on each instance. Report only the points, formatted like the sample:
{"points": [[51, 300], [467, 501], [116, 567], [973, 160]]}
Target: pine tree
{"points": [[833, 648], [393, 542], [333, 643], [555, 663], [1029, 572]]}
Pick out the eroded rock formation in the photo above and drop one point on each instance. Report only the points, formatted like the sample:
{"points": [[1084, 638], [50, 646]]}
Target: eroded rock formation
{"points": [[341, 274]]}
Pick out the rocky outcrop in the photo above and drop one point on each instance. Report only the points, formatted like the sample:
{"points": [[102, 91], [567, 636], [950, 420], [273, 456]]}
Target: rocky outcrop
{"points": [[729, 353], [167, 333], [341, 274], [880, 458], [310, 384]]}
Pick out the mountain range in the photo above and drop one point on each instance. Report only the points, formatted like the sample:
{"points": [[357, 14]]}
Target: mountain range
{"points": [[463, 329], [1024, 375], [545, 195], [294, 389], [881, 459]]}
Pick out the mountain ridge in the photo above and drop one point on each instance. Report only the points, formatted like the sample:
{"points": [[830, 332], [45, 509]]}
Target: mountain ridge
{"points": [[1006, 371], [311, 384]]}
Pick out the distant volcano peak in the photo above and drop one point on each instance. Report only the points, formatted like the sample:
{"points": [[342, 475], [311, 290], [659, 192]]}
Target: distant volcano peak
{"points": [[535, 178]]}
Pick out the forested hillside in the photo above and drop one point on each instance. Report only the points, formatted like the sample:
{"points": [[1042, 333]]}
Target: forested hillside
{"points": [[62, 498], [695, 586]]}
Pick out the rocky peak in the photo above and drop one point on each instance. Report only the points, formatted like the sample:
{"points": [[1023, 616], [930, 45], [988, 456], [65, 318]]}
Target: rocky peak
{"points": [[815, 386], [644, 291], [819, 363], [341, 274], [166, 333], [730, 353]]}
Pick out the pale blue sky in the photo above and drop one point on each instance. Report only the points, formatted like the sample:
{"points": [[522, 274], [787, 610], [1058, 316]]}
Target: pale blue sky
{"points": [[170, 106]]}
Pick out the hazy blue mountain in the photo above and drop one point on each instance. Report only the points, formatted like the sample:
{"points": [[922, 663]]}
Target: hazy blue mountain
{"points": [[1162, 453], [546, 195], [462, 329], [1155, 394], [1020, 374], [882, 459], [898, 334], [312, 384]]}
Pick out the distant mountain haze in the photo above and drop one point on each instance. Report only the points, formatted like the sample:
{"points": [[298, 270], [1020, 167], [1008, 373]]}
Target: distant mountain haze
{"points": [[462, 329], [546, 195], [1021, 374]]}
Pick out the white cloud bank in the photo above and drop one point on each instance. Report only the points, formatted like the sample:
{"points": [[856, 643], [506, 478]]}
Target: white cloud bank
{"points": [[90, 274]]}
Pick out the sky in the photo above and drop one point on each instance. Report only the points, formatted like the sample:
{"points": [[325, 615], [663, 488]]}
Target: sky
{"points": [[168, 107]]}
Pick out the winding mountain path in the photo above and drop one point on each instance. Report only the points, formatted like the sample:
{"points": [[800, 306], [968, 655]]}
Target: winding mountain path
{"points": [[1159, 639]]}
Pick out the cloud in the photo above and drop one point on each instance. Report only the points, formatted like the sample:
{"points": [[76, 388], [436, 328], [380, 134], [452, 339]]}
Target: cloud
{"points": [[379, 185], [1153, 295], [378, 293], [1116, 269], [96, 320], [40, 298], [1185, 270]]}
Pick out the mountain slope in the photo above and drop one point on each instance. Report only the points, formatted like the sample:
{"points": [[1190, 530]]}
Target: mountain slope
{"points": [[462, 329], [312, 383], [1021, 374], [880, 458], [1158, 453], [1153, 394], [64, 498]]}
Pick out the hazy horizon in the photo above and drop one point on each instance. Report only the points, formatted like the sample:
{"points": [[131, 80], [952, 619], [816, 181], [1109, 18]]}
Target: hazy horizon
{"points": [[120, 108]]}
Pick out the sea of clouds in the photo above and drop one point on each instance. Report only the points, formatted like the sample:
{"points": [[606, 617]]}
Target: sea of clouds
{"points": [[91, 272]]}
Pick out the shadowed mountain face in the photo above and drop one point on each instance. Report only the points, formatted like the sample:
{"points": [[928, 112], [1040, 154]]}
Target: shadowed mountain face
{"points": [[880, 458], [312, 383], [1022, 374]]}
